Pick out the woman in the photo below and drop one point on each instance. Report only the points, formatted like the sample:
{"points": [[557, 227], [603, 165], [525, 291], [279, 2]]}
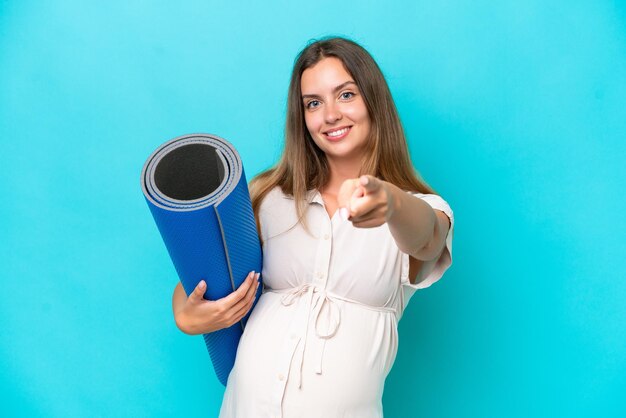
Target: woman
{"points": [[349, 233]]}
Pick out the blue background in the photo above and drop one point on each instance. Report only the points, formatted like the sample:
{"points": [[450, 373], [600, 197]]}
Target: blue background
{"points": [[516, 114]]}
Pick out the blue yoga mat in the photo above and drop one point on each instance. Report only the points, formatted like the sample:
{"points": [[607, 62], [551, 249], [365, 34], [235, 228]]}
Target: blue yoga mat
{"points": [[197, 192]]}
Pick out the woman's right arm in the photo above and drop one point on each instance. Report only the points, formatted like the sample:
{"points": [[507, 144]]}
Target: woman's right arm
{"points": [[196, 315]]}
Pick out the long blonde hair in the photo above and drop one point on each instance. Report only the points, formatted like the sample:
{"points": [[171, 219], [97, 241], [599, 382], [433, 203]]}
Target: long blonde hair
{"points": [[303, 166]]}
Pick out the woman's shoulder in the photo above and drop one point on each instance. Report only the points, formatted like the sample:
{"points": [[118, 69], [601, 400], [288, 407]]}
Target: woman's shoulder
{"points": [[277, 213], [273, 199]]}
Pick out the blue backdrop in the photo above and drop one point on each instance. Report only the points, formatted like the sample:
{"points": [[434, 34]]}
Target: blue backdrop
{"points": [[516, 114]]}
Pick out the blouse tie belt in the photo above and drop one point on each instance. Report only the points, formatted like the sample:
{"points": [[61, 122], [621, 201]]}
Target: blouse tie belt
{"points": [[319, 300]]}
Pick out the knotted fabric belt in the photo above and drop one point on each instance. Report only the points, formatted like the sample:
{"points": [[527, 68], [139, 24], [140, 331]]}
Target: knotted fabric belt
{"points": [[319, 300]]}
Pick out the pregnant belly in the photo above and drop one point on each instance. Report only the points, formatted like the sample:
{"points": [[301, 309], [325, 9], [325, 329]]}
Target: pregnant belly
{"points": [[274, 351]]}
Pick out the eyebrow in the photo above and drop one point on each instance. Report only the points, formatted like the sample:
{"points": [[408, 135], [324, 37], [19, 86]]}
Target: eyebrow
{"points": [[335, 90]]}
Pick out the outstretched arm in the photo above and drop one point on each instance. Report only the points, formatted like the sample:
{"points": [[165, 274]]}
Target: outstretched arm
{"points": [[417, 228]]}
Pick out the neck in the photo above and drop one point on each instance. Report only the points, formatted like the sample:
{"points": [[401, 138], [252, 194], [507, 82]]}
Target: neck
{"points": [[341, 170]]}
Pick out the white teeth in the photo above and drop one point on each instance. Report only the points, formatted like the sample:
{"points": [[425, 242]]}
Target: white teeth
{"points": [[338, 133]]}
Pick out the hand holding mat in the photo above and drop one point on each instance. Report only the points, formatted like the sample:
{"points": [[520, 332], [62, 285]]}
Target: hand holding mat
{"points": [[197, 192], [196, 315]]}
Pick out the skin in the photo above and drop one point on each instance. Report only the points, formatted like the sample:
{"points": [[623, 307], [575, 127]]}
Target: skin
{"points": [[332, 101], [196, 315]]}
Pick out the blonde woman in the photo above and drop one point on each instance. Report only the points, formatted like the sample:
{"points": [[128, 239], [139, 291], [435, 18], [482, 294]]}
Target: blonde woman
{"points": [[349, 233]]}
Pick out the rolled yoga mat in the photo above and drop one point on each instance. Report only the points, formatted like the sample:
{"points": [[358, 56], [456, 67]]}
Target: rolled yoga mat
{"points": [[197, 192]]}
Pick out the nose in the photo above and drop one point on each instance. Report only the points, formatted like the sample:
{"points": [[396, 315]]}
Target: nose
{"points": [[332, 113]]}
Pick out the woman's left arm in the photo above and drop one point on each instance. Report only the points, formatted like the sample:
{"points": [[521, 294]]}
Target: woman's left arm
{"points": [[418, 229]]}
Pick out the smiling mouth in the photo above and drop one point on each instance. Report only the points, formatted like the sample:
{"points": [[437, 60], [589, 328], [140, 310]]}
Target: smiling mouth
{"points": [[337, 133]]}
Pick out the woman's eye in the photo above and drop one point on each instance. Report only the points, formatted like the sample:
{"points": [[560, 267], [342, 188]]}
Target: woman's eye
{"points": [[347, 95], [312, 104]]}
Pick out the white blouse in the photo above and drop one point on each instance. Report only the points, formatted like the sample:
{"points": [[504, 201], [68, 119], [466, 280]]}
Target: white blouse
{"points": [[323, 335]]}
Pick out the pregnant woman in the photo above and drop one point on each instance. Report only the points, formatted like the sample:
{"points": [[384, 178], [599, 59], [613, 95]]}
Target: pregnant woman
{"points": [[349, 233]]}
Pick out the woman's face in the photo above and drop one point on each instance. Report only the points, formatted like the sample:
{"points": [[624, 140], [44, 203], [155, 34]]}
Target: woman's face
{"points": [[334, 110]]}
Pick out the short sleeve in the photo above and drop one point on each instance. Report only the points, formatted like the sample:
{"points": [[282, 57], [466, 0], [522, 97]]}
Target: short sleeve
{"points": [[431, 270]]}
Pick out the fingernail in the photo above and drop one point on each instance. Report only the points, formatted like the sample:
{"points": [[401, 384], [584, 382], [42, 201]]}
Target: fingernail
{"points": [[201, 283], [257, 276], [344, 213]]}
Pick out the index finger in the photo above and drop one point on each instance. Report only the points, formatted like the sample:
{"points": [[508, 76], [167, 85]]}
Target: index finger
{"points": [[238, 294], [370, 183]]}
